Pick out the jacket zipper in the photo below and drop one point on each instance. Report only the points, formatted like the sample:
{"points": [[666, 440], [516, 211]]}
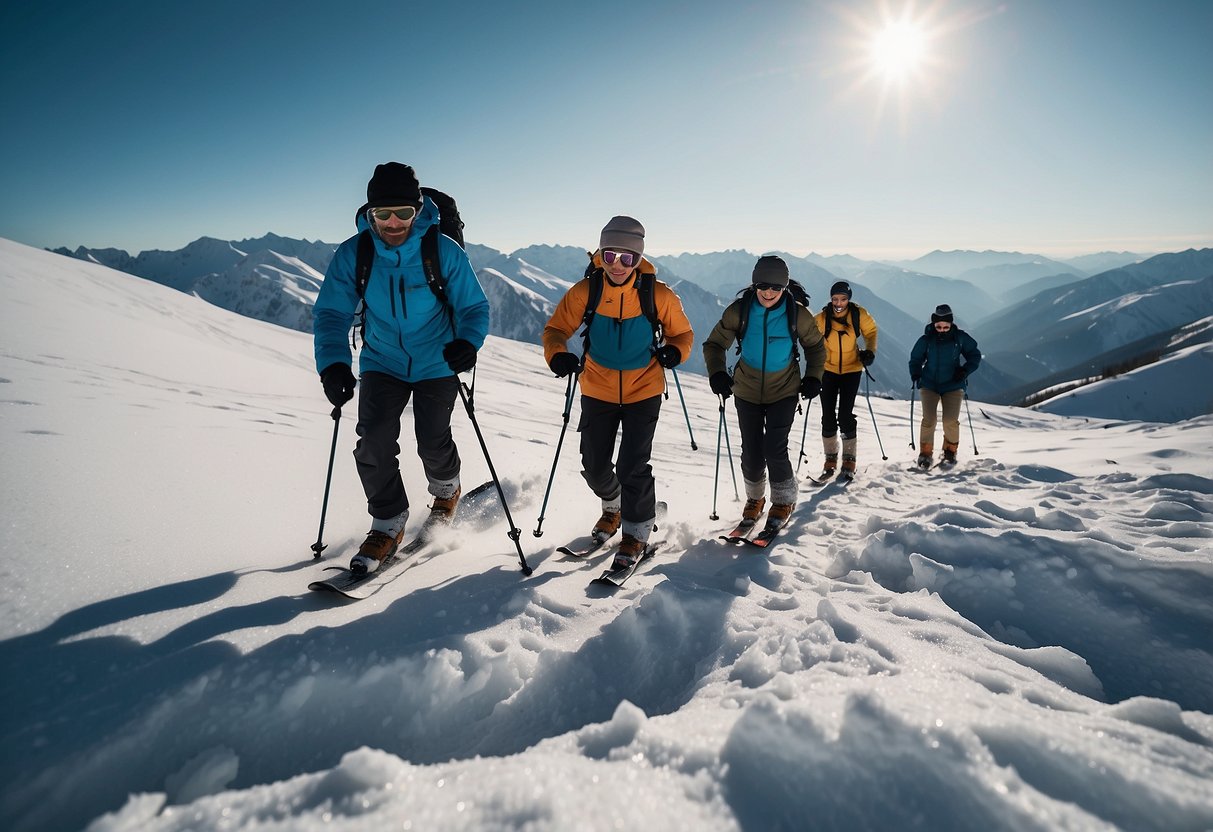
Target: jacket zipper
{"points": [[762, 384], [619, 330]]}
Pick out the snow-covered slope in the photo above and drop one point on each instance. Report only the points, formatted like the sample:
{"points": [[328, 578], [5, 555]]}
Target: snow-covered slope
{"points": [[1170, 390], [1021, 643]]}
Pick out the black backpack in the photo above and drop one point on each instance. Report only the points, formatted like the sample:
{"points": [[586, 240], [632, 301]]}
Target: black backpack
{"points": [[449, 223], [794, 297], [646, 284]]}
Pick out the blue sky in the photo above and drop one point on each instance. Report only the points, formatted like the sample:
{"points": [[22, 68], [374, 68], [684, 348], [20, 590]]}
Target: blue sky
{"points": [[1054, 126]]}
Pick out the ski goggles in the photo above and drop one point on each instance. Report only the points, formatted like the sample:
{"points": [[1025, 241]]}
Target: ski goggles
{"points": [[626, 258], [769, 287], [403, 214]]}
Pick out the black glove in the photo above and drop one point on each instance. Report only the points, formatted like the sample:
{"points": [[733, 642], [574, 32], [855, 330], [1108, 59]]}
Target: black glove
{"points": [[565, 364], [721, 383], [809, 387], [960, 374], [460, 355], [914, 377], [668, 356], [338, 381], [866, 357]]}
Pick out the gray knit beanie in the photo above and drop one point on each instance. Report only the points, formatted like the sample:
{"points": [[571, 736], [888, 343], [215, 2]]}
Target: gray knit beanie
{"points": [[771, 269], [943, 312], [623, 233]]}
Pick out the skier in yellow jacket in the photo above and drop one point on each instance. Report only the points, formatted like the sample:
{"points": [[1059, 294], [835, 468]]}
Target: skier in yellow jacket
{"points": [[622, 377], [842, 324]]}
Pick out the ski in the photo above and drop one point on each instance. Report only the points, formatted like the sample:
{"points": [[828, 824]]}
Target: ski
{"points": [[583, 547], [345, 581], [765, 538], [617, 577], [741, 532], [587, 545]]}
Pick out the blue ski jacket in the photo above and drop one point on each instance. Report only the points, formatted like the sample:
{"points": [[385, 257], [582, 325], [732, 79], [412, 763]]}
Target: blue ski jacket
{"points": [[406, 325], [936, 358]]}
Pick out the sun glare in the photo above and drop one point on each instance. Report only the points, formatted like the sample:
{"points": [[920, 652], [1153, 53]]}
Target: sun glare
{"points": [[900, 52], [897, 51]]}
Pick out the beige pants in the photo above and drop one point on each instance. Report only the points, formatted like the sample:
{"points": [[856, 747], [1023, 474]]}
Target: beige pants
{"points": [[951, 418]]}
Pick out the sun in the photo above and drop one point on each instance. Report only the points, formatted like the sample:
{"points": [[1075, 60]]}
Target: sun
{"points": [[897, 52], [900, 54]]}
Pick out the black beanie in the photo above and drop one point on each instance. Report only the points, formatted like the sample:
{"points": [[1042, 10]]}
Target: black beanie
{"points": [[943, 312], [393, 184], [841, 288], [771, 269]]}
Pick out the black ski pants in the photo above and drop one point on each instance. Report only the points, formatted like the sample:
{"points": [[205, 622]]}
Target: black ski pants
{"points": [[764, 438], [838, 393], [381, 402], [631, 474]]}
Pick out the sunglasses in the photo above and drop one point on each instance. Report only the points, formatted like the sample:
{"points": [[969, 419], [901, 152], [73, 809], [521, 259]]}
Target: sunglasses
{"points": [[769, 287], [626, 258], [403, 214]]}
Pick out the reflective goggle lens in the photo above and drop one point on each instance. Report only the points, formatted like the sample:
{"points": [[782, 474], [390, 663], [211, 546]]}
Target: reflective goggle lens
{"points": [[403, 214], [627, 258]]}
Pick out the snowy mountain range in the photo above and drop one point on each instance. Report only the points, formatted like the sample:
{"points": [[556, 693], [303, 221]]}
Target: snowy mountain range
{"points": [[1033, 317], [1020, 644]]}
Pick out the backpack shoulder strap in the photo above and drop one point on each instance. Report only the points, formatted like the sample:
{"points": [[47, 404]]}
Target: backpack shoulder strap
{"points": [[594, 276], [792, 312], [746, 300], [363, 262], [431, 263], [647, 287]]}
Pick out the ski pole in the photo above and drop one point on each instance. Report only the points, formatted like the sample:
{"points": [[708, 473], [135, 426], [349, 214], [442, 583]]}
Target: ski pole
{"points": [[716, 478], [678, 384], [729, 446], [568, 407], [514, 533], [804, 433], [867, 394], [913, 396], [970, 412], [319, 546]]}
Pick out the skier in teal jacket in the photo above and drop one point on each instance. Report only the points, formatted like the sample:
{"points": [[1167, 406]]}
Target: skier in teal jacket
{"points": [[412, 349]]}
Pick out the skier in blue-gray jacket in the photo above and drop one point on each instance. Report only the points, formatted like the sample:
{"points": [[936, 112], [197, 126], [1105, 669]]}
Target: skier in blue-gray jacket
{"points": [[937, 371], [412, 348]]}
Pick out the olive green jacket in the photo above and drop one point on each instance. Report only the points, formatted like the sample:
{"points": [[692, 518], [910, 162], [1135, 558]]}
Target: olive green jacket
{"points": [[750, 382]]}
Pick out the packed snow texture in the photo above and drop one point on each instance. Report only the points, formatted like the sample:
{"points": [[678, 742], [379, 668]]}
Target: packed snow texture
{"points": [[1022, 642]]}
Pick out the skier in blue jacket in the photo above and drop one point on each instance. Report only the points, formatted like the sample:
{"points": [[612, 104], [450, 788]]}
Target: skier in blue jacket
{"points": [[937, 371], [412, 349]]}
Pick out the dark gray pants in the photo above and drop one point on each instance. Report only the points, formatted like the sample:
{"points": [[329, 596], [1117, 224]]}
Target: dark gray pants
{"points": [[631, 474], [381, 402], [764, 438]]}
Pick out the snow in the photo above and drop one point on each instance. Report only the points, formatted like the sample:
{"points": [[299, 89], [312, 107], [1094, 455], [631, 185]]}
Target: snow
{"points": [[1169, 390], [1021, 643]]}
